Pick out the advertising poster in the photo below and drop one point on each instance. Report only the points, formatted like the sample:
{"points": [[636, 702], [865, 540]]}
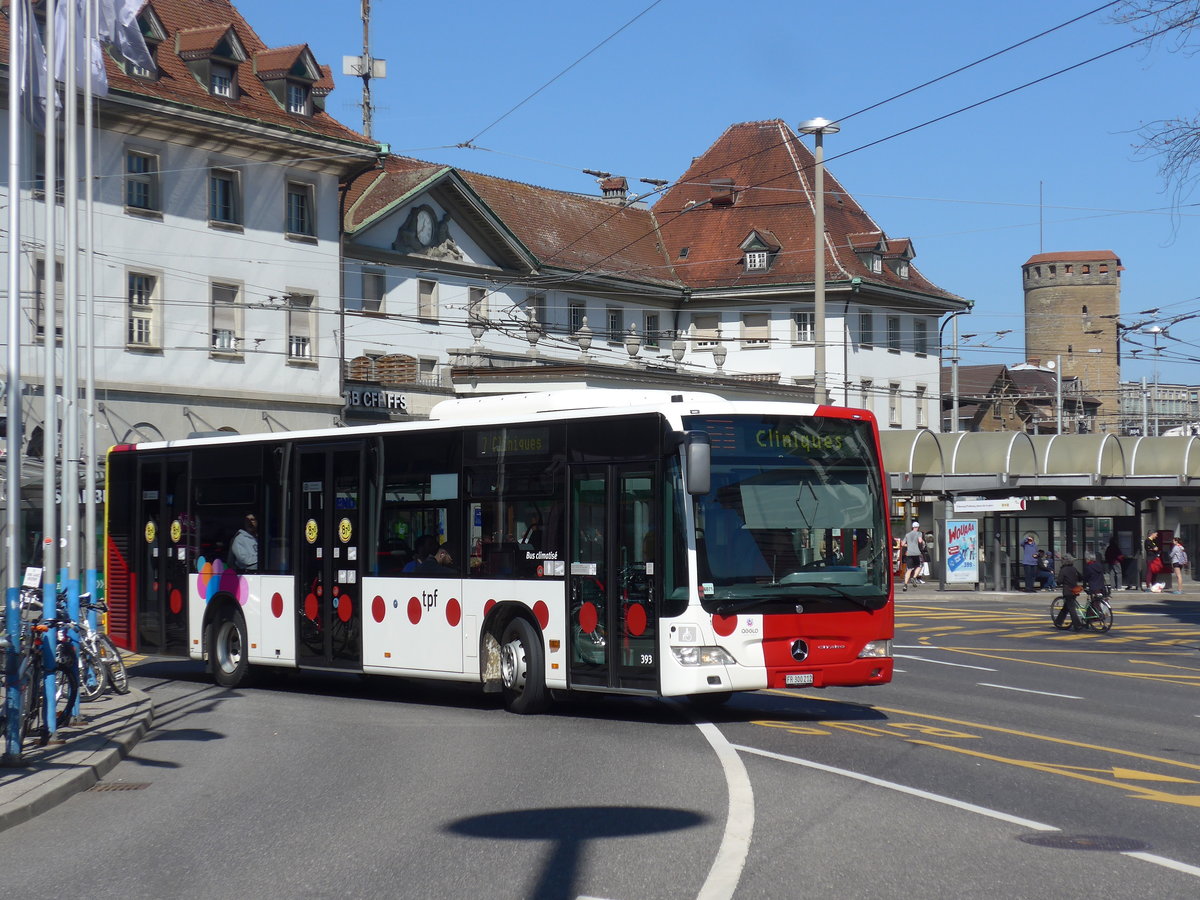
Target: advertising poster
{"points": [[962, 551]]}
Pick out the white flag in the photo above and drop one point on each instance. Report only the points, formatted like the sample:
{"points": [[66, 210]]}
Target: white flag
{"points": [[94, 60], [33, 74], [119, 27]]}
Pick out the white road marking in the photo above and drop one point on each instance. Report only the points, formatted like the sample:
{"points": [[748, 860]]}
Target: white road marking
{"points": [[914, 647], [727, 866], [942, 662], [903, 789], [1005, 687], [1163, 861]]}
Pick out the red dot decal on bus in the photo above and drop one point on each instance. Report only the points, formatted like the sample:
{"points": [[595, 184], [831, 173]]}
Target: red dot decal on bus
{"points": [[588, 618], [487, 607], [453, 613], [176, 601], [345, 607], [277, 605], [724, 625], [541, 612], [378, 609], [310, 607], [414, 610], [635, 619]]}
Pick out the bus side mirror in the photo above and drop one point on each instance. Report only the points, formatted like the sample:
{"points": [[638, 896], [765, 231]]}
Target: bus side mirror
{"points": [[697, 462]]}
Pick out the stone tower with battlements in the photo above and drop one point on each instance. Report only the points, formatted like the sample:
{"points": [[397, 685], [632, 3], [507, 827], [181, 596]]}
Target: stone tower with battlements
{"points": [[1072, 301]]}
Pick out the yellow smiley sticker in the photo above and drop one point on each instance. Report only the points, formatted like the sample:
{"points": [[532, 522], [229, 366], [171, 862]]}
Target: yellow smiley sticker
{"points": [[176, 531], [151, 532], [310, 531], [345, 531]]}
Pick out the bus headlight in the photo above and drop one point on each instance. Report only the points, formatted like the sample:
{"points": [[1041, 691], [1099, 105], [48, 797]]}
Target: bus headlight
{"points": [[875, 648], [702, 656]]}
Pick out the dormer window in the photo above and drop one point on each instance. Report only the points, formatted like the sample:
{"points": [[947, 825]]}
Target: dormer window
{"points": [[220, 81], [297, 98], [874, 262], [153, 34], [759, 249]]}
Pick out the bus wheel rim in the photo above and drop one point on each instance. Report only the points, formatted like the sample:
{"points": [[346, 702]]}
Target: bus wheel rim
{"points": [[512, 666]]}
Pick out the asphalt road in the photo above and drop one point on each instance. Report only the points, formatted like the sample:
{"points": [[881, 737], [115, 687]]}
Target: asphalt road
{"points": [[1006, 760]]}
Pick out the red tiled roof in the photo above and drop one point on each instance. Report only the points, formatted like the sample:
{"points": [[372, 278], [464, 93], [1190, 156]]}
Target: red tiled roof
{"points": [[278, 62], [563, 230], [771, 169], [1078, 256], [198, 25]]}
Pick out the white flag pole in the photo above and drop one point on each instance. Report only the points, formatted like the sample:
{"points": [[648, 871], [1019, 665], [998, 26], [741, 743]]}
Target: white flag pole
{"points": [[13, 437]]}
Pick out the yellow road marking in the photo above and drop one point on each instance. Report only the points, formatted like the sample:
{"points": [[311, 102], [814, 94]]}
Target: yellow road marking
{"points": [[1132, 754]]}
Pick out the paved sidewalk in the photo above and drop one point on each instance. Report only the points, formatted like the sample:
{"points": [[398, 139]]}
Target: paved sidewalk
{"points": [[49, 775]]}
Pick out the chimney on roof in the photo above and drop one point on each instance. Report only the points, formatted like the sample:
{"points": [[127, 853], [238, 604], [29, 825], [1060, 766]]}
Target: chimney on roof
{"points": [[721, 191], [615, 188]]}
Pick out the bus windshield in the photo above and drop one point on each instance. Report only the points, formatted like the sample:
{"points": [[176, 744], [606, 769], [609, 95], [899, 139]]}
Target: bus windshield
{"points": [[795, 513]]}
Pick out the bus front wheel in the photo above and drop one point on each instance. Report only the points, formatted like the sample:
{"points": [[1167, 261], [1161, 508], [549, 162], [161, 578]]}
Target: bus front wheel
{"points": [[522, 671], [227, 649]]}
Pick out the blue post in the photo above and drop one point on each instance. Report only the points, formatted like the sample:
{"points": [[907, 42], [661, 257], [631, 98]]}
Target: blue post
{"points": [[12, 694], [49, 644], [73, 611]]}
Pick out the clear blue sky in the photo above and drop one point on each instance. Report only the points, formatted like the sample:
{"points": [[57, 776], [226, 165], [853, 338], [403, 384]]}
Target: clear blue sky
{"points": [[965, 189]]}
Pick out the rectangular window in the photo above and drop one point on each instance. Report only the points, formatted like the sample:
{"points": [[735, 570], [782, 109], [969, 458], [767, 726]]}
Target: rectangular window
{"points": [[920, 336], [374, 285], [143, 310], [300, 210], [226, 318], [866, 329], [224, 200], [536, 304], [297, 98], [141, 181], [866, 389], [756, 260], [922, 418], [650, 332], [756, 329], [477, 304], [893, 333], [301, 333], [803, 326], [40, 299], [221, 80], [427, 299], [615, 324], [705, 331], [576, 312], [894, 403]]}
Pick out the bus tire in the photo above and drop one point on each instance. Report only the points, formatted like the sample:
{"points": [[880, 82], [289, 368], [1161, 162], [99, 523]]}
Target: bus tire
{"points": [[522, 670], [227, 648]]}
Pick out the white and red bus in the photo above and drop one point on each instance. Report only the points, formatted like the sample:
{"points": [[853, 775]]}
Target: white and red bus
{"points": [[628, 542]]}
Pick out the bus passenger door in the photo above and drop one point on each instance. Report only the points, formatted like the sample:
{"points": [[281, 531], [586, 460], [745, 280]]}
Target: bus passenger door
{"points": [[161, 569], [328, 536], [613, 587]]}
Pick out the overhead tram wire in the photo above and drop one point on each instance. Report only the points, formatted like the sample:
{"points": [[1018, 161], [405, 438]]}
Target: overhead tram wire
{"points": [[470, 141], [1141, 40]]}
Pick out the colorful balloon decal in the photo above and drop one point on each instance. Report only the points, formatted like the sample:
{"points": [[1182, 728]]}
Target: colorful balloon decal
{"points": [[213, 578]]}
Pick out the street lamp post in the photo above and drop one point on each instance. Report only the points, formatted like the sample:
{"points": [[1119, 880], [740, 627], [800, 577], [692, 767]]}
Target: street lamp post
{"points": [[1156, 330], [818, 128], [953, 317]]}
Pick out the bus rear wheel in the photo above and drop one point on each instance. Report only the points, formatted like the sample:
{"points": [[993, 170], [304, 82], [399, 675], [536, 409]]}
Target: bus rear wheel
{"points": [[227, 649], [522, 671]]}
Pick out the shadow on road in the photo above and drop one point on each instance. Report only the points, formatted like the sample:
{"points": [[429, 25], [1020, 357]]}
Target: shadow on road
{"points": [[1185, 611], [568, 829]]}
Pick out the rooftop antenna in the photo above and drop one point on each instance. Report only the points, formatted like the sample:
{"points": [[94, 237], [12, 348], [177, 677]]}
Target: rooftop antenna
{"points": [[365, 67]]}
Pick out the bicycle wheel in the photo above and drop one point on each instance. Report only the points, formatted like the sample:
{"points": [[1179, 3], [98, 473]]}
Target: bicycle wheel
{"points": [[117, 677], [93, 674], [66, 687], [1056, 609], [1100, 616]]}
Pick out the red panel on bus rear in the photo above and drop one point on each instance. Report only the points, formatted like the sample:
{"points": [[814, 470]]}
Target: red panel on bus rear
{"points": [[120, 594]]}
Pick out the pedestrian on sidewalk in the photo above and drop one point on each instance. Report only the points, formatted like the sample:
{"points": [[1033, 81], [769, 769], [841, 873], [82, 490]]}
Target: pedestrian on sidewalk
{"points": [[914, 548], [1113, 558], [1029, 550], [1179, 562], [1045, 572]]}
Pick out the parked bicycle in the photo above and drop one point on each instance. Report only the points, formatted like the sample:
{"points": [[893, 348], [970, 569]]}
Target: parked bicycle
{"points": [[1092, 608], [32, 709]]}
